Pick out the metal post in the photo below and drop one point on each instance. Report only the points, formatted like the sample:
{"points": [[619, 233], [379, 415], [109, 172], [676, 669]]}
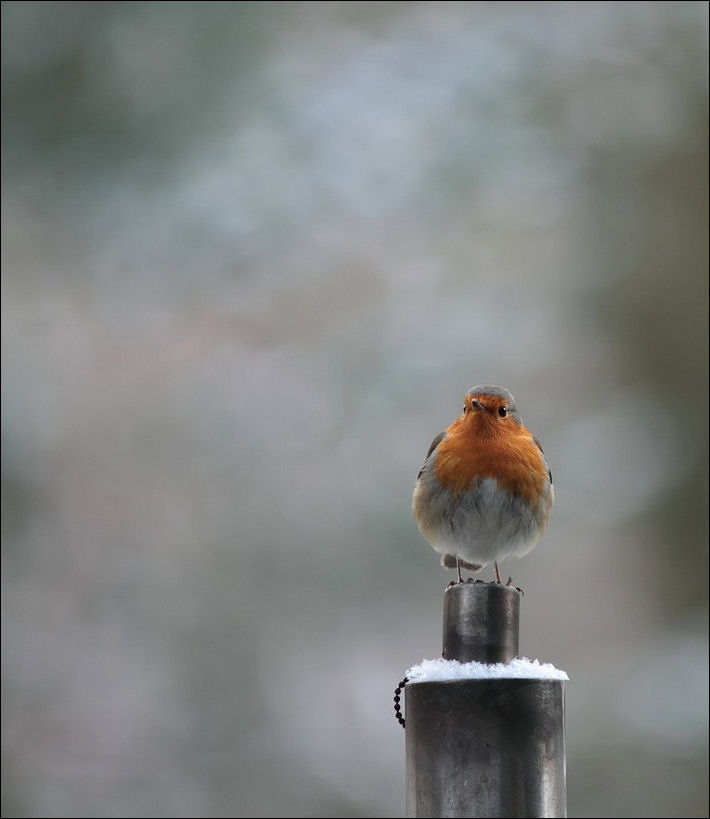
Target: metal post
{"points": [[484, 747], [481, 623]]}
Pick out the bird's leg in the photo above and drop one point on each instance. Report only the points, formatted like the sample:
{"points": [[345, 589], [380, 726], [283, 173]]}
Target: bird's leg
{"points": [[458, 568], [495, 564]]}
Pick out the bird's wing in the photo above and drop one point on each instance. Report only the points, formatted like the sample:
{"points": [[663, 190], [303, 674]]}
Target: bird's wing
{"points": [[539, 446], [434, 444]]}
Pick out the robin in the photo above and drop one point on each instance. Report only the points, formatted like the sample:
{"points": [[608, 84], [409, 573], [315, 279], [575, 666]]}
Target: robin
{"points": [[485, 491]]}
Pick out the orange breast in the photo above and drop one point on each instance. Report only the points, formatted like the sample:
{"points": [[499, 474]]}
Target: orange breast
{"points": [[471, 453]]}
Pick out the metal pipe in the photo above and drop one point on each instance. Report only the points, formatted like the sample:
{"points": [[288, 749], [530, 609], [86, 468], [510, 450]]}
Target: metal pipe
{"points": [[481, 622], [484, 747]]}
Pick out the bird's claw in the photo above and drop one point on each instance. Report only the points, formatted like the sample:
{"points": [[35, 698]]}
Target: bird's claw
{"points": [[517, 588]]}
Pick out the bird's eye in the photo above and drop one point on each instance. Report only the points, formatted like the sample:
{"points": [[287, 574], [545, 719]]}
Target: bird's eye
{"points": [[502, 411]]}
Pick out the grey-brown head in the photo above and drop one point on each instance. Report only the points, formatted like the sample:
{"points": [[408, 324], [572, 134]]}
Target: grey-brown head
{"points": [[494, 400]]}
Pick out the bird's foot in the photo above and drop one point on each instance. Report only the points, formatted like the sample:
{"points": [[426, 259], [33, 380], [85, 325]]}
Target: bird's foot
{"points": [[517, 588]]}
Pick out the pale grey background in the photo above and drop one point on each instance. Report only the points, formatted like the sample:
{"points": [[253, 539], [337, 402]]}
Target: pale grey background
{"points": [[253, 256]]}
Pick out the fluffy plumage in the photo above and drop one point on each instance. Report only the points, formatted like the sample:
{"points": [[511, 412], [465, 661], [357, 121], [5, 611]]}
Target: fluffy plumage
{"points": [[485, 491]]}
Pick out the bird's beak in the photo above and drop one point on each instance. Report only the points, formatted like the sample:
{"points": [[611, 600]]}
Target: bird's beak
{"points": [[477, 405]]}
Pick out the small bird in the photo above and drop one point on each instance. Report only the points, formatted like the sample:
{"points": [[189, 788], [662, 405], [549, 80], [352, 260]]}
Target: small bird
{"points": [[485, 491]]}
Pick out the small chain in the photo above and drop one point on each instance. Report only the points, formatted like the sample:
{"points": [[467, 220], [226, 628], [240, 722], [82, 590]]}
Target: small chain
{"points": [[397, 709]]}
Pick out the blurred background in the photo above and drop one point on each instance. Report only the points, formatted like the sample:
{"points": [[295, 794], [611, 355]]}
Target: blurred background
{"points": [[253, 256]]}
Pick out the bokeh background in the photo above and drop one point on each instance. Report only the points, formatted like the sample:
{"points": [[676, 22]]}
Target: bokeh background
{"points": [[253, 255]]}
